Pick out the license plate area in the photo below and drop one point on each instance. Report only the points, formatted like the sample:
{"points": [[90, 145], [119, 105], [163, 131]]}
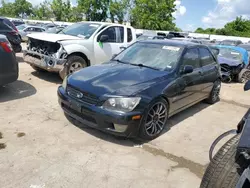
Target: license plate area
{"points": [[75, 105]]}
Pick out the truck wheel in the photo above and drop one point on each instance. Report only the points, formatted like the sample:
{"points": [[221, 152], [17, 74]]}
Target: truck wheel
{"points": [[75, 63], [37, 68], [214, 95], [226, 167]]}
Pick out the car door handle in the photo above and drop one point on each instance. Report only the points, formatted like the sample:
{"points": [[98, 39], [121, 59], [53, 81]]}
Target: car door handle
{"points": [[122, 47]]}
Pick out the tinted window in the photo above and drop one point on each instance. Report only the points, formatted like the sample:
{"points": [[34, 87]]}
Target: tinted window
{"points": [[4, 26], [191, 57], [129, 35], [115, 34], [206, 57]]}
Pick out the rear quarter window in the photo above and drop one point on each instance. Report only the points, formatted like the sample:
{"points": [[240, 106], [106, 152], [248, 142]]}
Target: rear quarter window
{"points": [[129, 35]]}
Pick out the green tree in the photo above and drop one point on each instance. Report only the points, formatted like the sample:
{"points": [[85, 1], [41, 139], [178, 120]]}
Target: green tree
{"points": [[118, 9], [94, 10], [199, 30], [7, 9], [43, 11], [57, 9], [22, 8], [154, 14], [76, 15]]}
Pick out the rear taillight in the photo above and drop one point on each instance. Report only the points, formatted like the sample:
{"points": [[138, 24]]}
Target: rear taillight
{"points": [[6, 46]]}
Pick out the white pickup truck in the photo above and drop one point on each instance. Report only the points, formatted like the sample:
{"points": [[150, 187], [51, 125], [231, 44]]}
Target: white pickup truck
{"points": [[77, 46]]}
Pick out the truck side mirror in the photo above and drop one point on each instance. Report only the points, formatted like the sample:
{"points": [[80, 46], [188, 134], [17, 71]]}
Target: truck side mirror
{"points": [[104, 38]]}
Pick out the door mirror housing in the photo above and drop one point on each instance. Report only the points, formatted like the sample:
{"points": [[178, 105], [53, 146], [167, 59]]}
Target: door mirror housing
{"points": [[187, 69], [104, 38], [247, 85]]}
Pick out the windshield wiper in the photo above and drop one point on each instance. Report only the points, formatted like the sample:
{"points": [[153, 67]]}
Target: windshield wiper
{"points": [[139, 65], [142, 65], [120, 61]]}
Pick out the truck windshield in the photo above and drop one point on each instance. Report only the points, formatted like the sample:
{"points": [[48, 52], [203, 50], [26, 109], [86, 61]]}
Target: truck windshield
{"points": [[83, 30]]}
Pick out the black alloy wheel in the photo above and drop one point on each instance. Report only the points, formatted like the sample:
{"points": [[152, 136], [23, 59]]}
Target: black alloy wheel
{"points": [[215, 93], [155, 120]]}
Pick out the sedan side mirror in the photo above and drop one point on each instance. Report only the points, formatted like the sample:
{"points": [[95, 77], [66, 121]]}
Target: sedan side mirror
{"points": [[247, 85], [104, 38], [187, 69]]}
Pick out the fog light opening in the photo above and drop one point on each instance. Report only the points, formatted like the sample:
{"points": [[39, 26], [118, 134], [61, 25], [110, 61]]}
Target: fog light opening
{"points": [[120, 128]]}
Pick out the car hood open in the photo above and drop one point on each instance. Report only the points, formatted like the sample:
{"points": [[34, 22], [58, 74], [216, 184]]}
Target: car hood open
{"points": [[51, 37], [114, 79]]}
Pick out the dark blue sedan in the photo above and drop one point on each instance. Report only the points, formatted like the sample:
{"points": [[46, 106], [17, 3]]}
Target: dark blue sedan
{"points": [[138, 90]]}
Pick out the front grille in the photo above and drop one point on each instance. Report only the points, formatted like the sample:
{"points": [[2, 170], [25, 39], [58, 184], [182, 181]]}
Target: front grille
{"points": [[82, 96], [80, 115]]}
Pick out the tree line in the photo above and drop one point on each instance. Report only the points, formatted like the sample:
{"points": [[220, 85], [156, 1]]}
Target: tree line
{"points": [[239, 27], [143, 14]]}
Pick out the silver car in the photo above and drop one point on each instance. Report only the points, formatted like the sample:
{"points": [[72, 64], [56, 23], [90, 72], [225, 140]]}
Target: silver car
{"points": [[24, 30]]}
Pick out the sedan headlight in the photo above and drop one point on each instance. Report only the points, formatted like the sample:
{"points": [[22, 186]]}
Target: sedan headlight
{"points": [[122, 104], [65, 82]]}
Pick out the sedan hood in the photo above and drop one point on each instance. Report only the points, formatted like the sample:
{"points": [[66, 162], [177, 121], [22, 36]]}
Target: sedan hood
{"points": [[114, 79], [230, 62], [51, 37]]}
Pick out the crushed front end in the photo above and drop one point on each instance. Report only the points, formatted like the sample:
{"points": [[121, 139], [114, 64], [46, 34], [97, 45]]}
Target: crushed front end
{"points": [[49, 56]]}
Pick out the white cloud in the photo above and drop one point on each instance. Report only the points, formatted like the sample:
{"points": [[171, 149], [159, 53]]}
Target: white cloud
{"points": [[180, 9], [226, 11]]}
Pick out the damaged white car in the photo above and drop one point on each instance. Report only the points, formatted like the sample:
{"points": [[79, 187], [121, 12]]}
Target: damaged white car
{"points": [[77, 46]]}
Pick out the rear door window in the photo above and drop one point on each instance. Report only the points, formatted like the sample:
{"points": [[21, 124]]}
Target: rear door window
{"points": [[191, 57], [129, 35], [206, 57]]}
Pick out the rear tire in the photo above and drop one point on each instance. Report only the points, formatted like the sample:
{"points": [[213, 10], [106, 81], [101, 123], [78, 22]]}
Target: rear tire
{"points": [[226, 167], [215, 93]]}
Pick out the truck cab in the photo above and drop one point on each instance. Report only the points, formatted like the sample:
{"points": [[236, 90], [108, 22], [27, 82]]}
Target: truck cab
{"points": [[77, 46]]}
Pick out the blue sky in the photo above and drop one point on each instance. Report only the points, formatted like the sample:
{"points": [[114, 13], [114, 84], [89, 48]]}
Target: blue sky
{"points": [[192, 14]]}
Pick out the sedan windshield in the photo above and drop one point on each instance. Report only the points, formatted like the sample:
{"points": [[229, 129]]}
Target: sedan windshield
{"points": [[83, 30], [230, 53], [158, 56]]}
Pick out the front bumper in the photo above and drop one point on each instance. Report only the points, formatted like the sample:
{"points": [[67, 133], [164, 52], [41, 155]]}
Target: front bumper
{"points": [[42, 61], [96, 117]]}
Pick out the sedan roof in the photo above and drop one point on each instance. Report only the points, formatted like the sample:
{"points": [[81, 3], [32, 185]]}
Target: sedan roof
{"points": [[173, 43]]}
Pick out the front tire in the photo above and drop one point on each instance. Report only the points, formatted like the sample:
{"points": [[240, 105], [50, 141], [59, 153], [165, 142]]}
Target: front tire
{"points": [[244, 76], [226, 167], [154, 120], [75, 63], [215, 93]]}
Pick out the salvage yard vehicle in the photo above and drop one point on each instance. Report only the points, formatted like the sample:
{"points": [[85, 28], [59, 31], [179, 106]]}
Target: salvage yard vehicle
{"points": [[234, 63], [230, 167], [24, 30], [139, 89], [77, 46], [8, 62], [8, 29]]}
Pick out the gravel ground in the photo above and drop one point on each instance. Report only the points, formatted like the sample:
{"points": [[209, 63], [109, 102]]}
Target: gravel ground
{"points": [[39, 148]]}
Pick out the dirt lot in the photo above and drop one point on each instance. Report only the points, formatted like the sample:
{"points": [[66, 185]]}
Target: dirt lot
{"points": [[41, 149]]}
